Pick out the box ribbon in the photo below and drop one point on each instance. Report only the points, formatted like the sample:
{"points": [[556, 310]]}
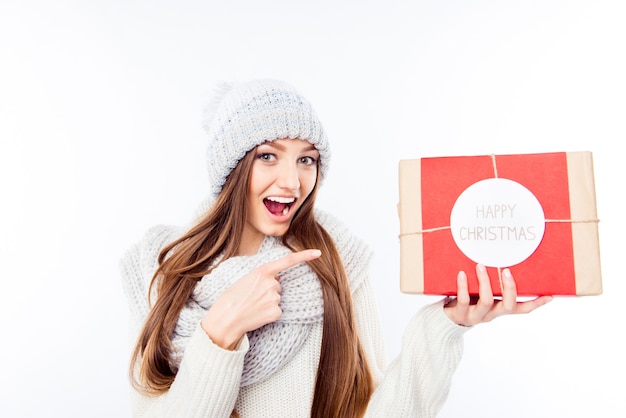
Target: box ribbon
{"points": [[495, 175]]}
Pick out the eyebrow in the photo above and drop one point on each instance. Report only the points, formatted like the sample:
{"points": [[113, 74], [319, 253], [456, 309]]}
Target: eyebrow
{"points": [[282, 147]]}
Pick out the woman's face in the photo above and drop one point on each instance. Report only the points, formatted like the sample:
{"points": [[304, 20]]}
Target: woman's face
{"points": [[283, 174]]}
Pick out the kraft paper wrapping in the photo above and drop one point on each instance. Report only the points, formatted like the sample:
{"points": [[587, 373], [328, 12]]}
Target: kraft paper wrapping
{"points": [[579, 253]]}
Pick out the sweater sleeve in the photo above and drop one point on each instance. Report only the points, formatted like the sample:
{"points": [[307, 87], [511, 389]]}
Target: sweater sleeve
{"points": [[206, 385], [417, 382], [208, 379]]}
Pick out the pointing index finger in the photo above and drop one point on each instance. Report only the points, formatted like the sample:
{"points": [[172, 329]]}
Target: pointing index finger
{"points": [[290, 260]]}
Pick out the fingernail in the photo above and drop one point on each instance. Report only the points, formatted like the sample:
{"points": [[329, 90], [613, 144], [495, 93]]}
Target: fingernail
{"points": [[481, 267], [316, 253], [506, 273]]}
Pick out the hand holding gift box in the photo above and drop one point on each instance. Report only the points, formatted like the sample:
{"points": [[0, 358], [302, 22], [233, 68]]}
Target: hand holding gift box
{"points": [[532, 213]]}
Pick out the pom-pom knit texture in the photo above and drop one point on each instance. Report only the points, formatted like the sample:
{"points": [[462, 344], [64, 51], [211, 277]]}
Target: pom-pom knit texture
{"points": [[243, 116]]}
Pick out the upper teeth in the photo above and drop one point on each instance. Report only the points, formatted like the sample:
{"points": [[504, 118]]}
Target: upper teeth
{"points": [[281, 199]]}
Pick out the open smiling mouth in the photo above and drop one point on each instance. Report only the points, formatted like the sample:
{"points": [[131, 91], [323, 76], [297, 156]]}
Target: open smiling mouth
{"points": [[279, 205]]}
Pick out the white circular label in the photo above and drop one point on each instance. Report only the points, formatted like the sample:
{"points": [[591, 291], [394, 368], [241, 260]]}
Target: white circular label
{"points": [[497, 222]]}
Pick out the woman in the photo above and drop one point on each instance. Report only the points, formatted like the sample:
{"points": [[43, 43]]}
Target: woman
{"points": [[263, 307]]}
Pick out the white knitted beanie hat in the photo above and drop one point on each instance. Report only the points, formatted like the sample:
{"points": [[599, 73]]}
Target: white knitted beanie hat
{"points": [[245, 115]]}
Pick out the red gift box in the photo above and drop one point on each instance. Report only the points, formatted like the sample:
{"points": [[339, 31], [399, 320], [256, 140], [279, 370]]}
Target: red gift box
{"points": [[566, 260]]}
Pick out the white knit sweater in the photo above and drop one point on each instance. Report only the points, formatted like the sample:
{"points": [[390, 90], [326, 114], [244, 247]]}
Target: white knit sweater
{"points": [[208, 382]]}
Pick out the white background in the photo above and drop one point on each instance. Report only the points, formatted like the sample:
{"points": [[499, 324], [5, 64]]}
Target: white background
{"points": [[100, 138]]}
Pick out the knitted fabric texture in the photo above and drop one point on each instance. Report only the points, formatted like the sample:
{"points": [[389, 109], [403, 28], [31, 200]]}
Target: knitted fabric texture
{"points": [[272, 345], [243, 116]]}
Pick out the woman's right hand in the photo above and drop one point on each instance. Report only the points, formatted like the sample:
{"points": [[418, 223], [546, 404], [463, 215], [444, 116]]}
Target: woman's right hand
{"points": [[250, 302]]}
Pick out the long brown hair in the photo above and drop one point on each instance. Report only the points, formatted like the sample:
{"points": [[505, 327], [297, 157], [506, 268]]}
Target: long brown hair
{"points": [[343, 385]]}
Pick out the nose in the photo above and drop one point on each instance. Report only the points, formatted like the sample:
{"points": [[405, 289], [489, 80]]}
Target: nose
{"points": [[288, 177]]}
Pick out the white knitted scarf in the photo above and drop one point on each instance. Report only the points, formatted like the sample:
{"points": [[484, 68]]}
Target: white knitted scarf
{"points": [[274, 344]]}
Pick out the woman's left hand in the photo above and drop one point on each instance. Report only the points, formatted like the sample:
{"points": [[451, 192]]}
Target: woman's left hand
{"points": [[468, 311]]}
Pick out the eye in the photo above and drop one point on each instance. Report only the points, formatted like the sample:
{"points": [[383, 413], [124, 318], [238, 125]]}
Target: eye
{"points": [[266, 156], [307, 160]]}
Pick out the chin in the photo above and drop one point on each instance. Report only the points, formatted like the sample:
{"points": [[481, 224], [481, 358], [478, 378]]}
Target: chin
{"points": [[276, 230], [276, 233]]}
